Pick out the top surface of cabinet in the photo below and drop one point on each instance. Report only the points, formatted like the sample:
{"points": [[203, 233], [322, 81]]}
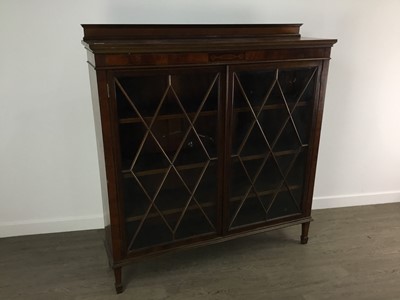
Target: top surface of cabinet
{"points": [[184, 38]]}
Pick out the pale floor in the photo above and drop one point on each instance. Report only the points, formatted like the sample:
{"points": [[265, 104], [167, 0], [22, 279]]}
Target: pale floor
{"points": [[353, 253]]}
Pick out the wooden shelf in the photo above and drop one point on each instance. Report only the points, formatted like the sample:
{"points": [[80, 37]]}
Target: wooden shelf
{"points": [[171, 211], [270, 107], [264, 193], [205, 113], [260, 156], [128, 174], [167, 117], [205, 205]]}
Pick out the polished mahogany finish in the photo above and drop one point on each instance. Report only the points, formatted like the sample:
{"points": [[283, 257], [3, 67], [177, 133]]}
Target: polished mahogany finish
{"points": [[209, 132]]}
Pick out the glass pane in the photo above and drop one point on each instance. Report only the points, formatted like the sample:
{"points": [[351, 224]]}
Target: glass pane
{"points": [[170, 133], [168, 141], [241, 122], [206, 129], [136, 201], [150, 181], [272, 122], [172, 198], [206, 192], [153, 231], [288, 139], [193, 223], [192, 151], [150, 156], [193, 88], [255, 85], [296, 83], [201, 212], [283, 205], [126, 108], [269, 178], [240, 183], [130, 136], [252, 165], [272, 110], [191, 174], [302, 116], [297, 172], [144, 92], [251, 212], [255, 143], [285, 160], [276, 99]]}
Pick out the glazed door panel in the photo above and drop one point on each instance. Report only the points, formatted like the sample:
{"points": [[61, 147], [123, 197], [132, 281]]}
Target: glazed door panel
{"points": [[272, 109], [169, 155]]}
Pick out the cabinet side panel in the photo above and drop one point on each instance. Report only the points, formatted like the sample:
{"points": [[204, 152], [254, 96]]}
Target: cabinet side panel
{"points": [[314, 143], [99, 142], [104, 151]]}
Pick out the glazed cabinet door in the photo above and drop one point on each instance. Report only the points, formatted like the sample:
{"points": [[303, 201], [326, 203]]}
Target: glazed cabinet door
{"points": [[166, 126], [272, 118]]}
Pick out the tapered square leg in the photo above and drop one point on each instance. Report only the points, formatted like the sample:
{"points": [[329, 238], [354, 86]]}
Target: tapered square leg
{"points": [[304, 233], [118, 280]]}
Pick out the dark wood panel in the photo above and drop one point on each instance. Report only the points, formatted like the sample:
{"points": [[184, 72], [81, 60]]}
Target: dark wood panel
{"points": [[131, 32], [127, 60]]}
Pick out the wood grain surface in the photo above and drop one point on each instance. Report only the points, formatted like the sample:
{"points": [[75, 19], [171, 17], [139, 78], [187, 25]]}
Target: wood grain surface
{"points": [[353, 253]]}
